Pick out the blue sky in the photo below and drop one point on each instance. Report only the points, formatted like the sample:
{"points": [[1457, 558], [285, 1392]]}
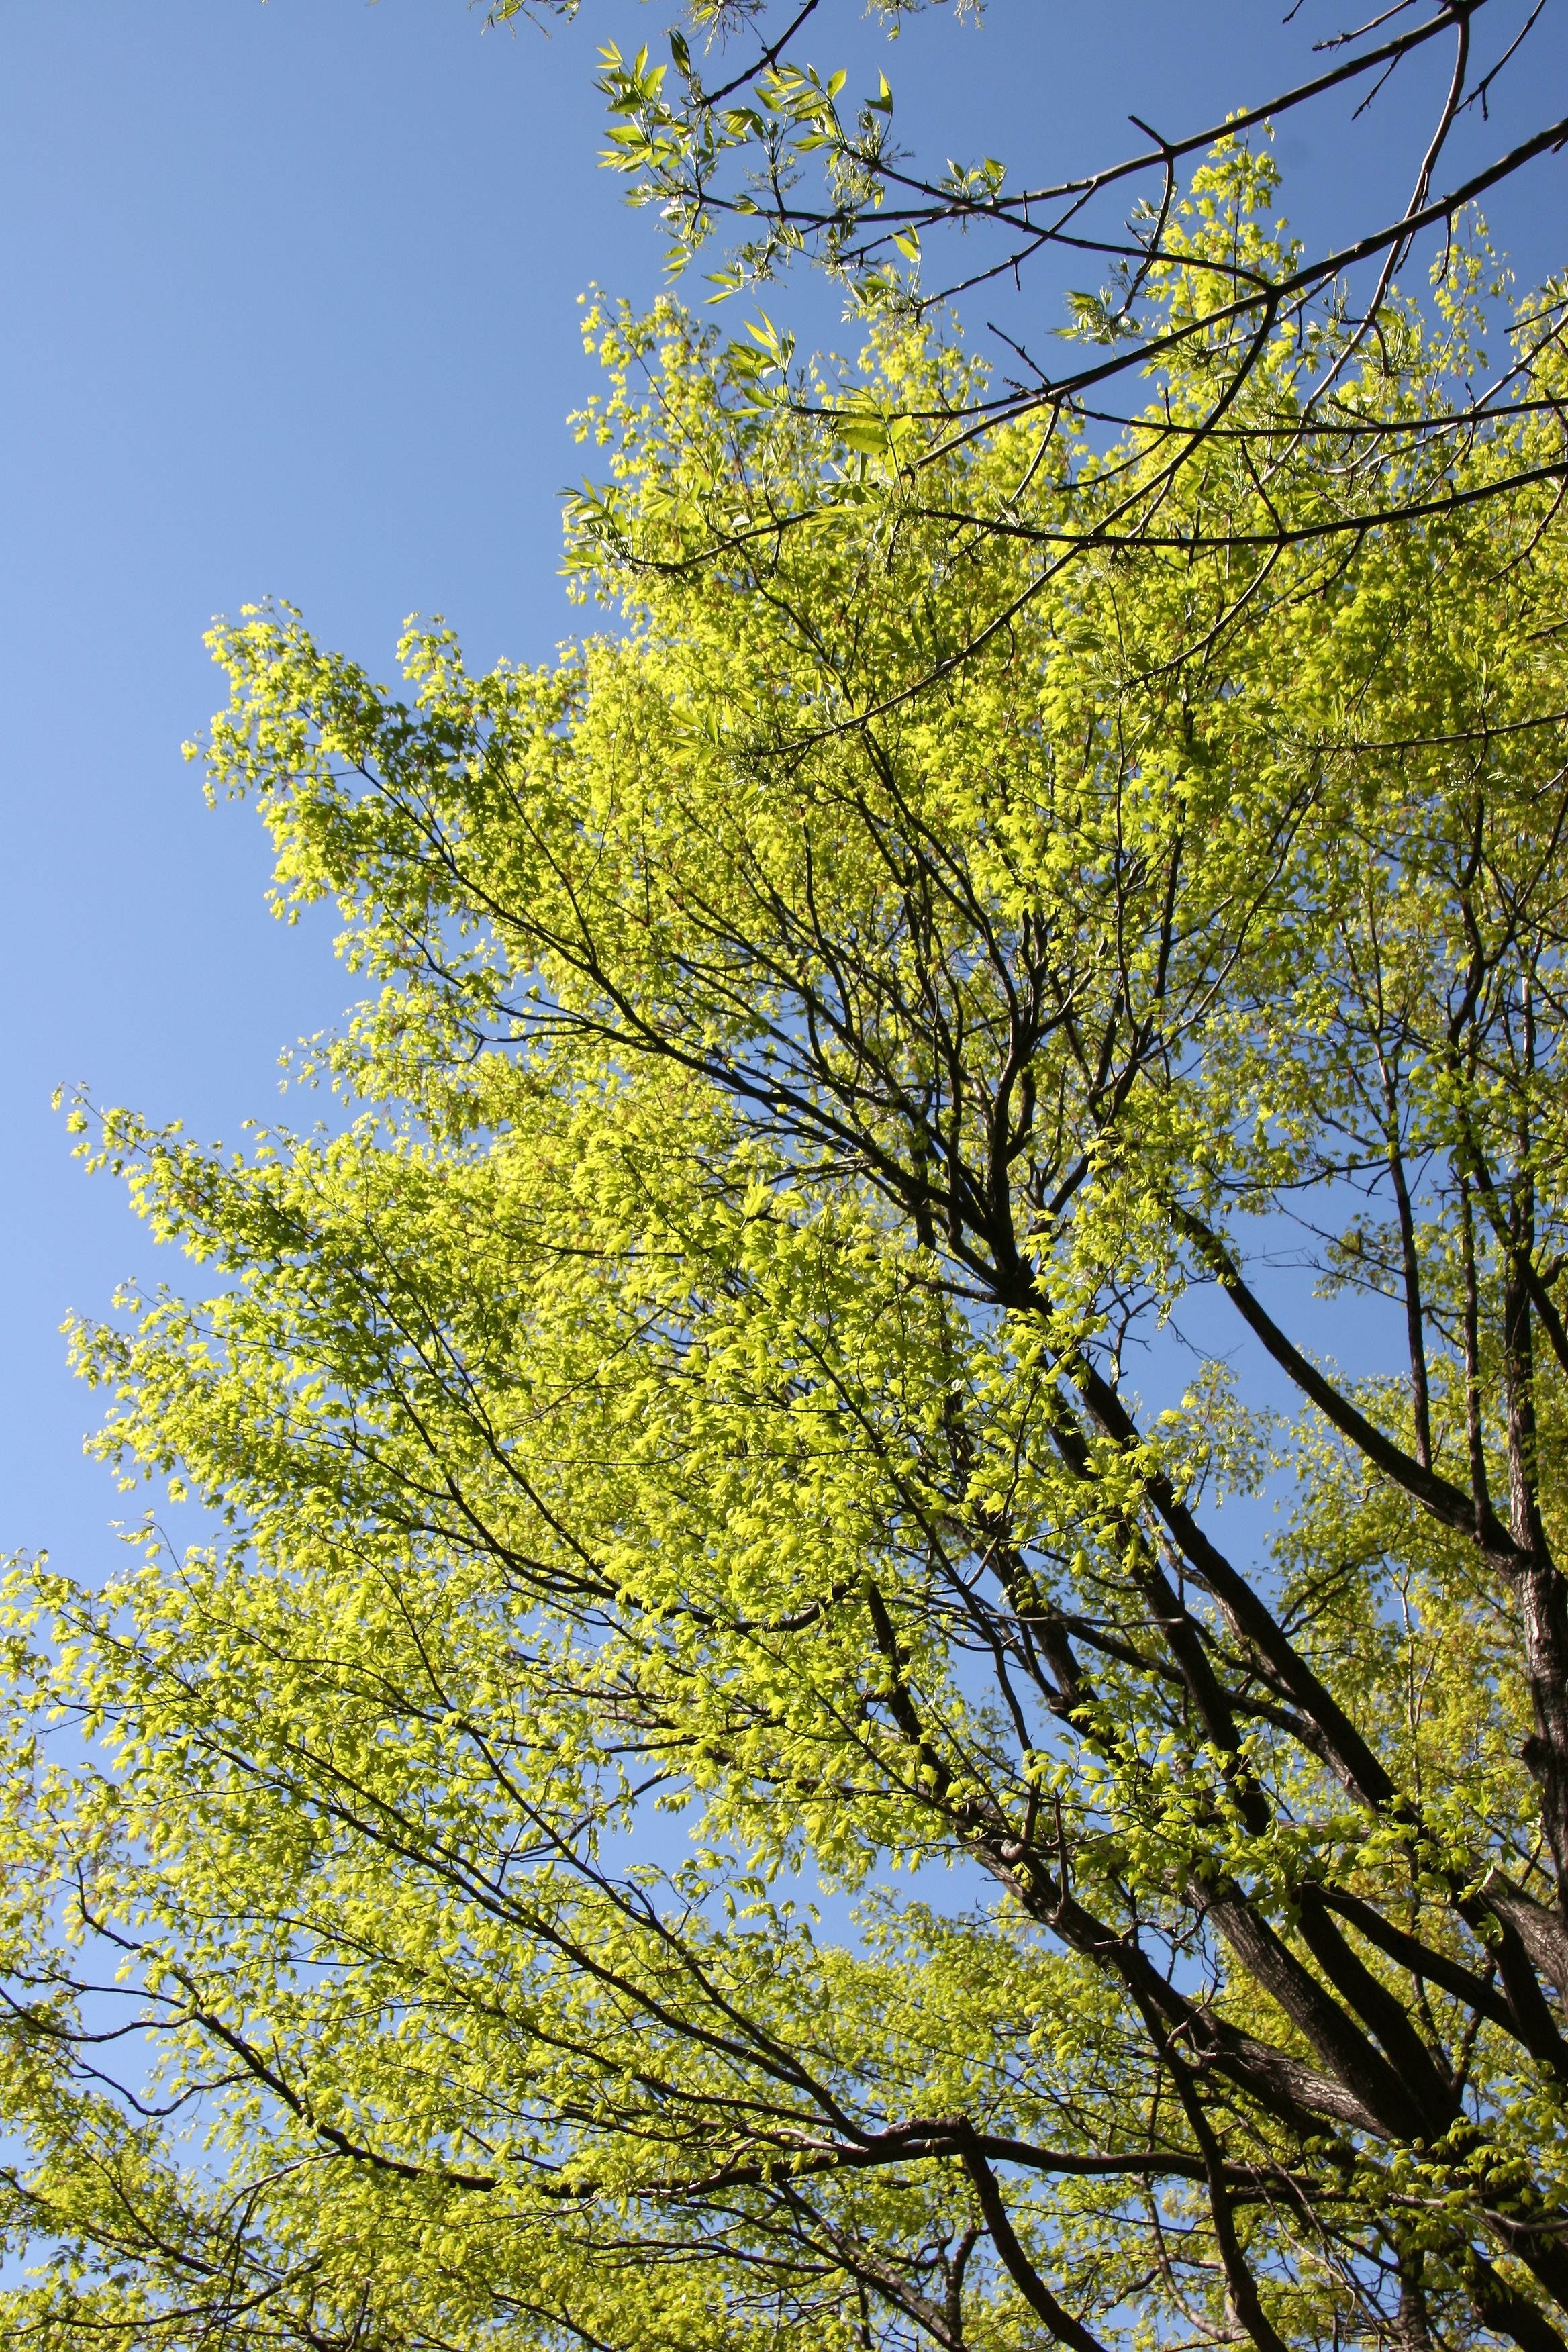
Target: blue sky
{"points": [[289, 296]]}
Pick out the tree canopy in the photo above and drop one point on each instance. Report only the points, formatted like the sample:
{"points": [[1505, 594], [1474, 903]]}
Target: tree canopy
{"points": [[880, 1655], [757, 154]]}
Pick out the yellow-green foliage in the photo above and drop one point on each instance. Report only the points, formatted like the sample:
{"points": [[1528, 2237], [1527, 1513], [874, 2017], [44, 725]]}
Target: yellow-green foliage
{"points": [[596, 1841]]}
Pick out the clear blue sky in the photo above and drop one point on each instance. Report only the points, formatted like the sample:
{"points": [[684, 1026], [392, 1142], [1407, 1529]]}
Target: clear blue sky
{"points": [[288, 308]]}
